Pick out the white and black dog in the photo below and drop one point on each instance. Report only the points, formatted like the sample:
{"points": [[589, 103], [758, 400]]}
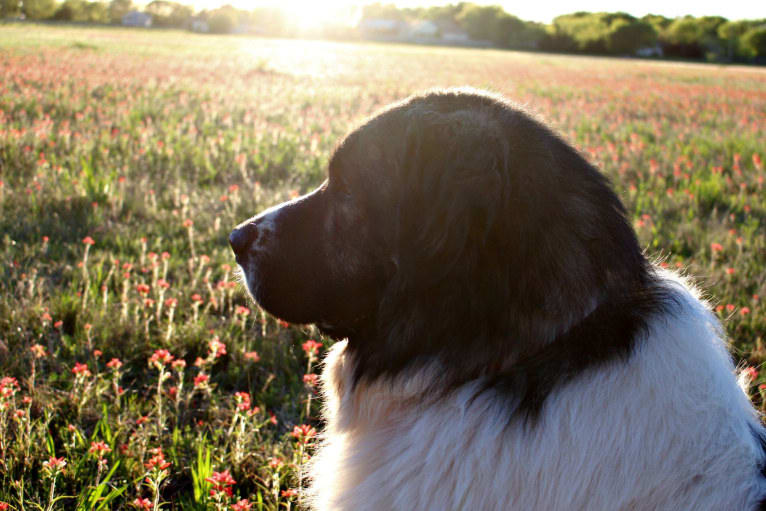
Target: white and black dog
{"points": [[508, 346]]}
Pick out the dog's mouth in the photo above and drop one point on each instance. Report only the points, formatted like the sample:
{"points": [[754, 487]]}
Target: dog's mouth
{"points": [[245, 276], [334, 331]]}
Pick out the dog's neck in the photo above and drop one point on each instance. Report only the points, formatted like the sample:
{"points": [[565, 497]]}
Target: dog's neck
{"points": [[608, 331]]}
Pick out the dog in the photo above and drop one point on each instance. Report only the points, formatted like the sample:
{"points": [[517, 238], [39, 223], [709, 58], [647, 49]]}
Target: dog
{"points": [[503, 342]]}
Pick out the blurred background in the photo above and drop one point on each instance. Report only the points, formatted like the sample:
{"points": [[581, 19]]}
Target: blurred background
{"points": [[723, 32]]}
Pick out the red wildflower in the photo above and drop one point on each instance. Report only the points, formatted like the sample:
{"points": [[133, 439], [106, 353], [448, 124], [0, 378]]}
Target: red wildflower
{"points": [[242, 505], [115, 364], [87, 240], [99, 449], [142, 503], [243, 401], [201, 379], [220, 480], [38, 350], [81, 370], [157, 460], [311, 346], [8, 386], [54, 466], [160, 358], [252, 356], [303, 433], [217, 348]]}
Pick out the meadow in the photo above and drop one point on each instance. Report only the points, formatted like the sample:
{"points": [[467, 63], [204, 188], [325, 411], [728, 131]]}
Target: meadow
{"points": [[134, 370]]}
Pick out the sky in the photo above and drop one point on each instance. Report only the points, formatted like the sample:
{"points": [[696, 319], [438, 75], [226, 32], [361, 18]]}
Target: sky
{"points": [[535, 10]]}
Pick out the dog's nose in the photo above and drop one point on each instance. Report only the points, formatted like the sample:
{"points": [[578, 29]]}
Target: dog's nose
{"points": [[241, 238]]}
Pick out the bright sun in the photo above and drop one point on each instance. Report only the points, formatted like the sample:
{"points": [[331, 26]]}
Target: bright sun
{"points": [[304, 14]]}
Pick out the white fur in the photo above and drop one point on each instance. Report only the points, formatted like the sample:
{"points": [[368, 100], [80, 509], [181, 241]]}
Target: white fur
{"points": [[669, 430]]}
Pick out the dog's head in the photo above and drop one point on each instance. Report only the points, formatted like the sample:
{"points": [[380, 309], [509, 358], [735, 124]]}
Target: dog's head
{"points": [[452, 227]]}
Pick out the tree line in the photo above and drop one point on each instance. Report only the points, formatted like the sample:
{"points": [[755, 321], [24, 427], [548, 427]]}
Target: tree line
{"points": [[711, 38]]}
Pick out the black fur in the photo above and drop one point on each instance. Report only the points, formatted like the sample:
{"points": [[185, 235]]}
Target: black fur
{"points": [[456, 228]]}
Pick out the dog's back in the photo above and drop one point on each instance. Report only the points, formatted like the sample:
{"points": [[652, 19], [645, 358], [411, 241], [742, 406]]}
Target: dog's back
{"points": [[668, 429]]}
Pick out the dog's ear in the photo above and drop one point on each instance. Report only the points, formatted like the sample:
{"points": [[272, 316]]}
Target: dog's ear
{"points": [[456, 180]]}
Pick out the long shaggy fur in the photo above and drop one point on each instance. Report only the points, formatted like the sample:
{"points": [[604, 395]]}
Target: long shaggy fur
{"points": [[667, 430], [507, 345]]}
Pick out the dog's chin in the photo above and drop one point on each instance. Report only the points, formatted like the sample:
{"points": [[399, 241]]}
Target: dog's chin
{"points": [[250, 278]]}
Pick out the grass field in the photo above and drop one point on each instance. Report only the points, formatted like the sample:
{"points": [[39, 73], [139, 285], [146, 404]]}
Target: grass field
{"points": [[135, 371]]}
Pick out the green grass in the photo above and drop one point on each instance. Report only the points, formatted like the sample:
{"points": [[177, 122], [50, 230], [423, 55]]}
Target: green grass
{"points": [[156, 143]]}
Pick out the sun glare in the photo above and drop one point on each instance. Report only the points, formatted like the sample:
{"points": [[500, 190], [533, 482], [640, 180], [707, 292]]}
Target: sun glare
{"points": [[308, 14], [302, 14]]}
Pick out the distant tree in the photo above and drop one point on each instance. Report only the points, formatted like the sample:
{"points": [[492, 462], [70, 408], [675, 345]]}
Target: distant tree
{"points": [[169, 14], [731, 34], [683, 31], [711, 42], [96, 12], [382, 11], [755, 40], [530, 36], [269, 20], [9, 8], [682, 38], [38, 9], [586, 30], [71, 10], [626, 36], [492, 23], [657, 21], [222, 20], [118, 9], [556, 40], [483, 22], [440, 13]]}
